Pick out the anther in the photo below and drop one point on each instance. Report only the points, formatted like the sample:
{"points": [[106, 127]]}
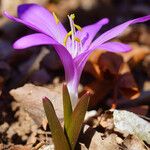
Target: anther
{"points": [[56, 18], [77, 39], [66, 37], [72, 16], [77, 27]]}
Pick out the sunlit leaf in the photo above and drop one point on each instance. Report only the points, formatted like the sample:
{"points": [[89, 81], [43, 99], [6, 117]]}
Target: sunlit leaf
{"points": [[67, 106], [77, 119], [59, 139]]}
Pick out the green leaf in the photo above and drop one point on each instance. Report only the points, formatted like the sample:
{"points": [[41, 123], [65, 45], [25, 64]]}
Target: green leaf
{"points": [[77, 119], [67, 106], [59, 138]]}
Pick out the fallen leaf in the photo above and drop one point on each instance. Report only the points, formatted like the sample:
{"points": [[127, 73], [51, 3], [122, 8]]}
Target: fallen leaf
{"points": [[106, 120], [92, 140], [112, 138], [136, 55], [146, 65], [139, 34], [134, 143], [30, 98], [129, 123], [146, 86], [112, 77], [99, 90], [20, 147], [110, 63], [128, 87], [91, 66], [109, 143]]}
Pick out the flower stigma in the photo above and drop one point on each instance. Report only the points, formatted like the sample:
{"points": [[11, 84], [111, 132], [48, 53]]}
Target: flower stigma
{"points": [[75, 41]]}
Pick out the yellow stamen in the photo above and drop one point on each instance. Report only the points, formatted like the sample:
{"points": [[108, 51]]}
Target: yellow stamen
{"points": [[72, 16], [66, 37], [56, 18], [78, 27], [77, 39], [72, 32]]}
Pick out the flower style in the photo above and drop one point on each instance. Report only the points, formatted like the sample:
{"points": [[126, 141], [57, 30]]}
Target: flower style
{"points": [[73, 47]]}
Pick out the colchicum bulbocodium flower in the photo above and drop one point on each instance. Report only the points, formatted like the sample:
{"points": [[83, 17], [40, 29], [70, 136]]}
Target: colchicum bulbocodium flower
{"points": [[73, 47]]}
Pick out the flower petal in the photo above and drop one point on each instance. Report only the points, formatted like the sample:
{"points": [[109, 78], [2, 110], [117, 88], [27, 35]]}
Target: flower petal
{"points": [[115, 47], [42, 39], [81, 59], [33, 40], [112, 33], [80, 62], [71, 75], [30, 25], [66, 58], [88, 33], [39, 18], [67, 61]]}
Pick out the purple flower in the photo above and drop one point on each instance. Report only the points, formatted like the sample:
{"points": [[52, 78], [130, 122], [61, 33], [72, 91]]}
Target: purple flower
{"points": [[73, 47]]}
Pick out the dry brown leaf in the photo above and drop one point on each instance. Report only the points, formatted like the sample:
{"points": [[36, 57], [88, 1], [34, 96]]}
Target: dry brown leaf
{"points": [[24, 126], [146, 86], [140, 106], [91, 66], [30, 98], [110, 139], [1, 146], [110, 63], [145, 35], [128, 87], [99, 90], [134, 143], [139, 34], [20, 147], [146, 65], [136, 55], [106, 120], [140, 110], [109, 143], [92, 140], [112, 76]]}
